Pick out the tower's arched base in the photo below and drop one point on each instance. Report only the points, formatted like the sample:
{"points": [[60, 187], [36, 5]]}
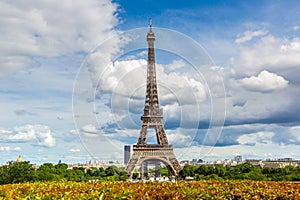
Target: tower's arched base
{"points": [[153, 152]]}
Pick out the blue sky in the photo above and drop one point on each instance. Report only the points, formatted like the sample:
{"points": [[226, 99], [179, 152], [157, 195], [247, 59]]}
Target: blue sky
{"points": [[67, 90]]}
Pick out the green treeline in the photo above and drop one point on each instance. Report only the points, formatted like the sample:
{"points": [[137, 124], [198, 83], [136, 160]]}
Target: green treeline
{"points": [[18, 172], [244, 171]]}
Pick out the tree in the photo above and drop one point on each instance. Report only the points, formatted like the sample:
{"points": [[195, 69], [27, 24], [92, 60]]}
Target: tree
{"points": [[111, 171], [62, 170], [75, 174], [4, 175], [188, 170], [256, 174], [122, 175], [93, 172], [20, 172], [220, 170], [47, 172]]}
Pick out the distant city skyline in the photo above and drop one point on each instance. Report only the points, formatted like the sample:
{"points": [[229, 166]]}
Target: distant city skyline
{"points": [[255, 46]]}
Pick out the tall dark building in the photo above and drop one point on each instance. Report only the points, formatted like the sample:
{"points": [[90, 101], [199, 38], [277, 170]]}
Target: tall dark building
{"points": [[144, 153], [127, 153]]}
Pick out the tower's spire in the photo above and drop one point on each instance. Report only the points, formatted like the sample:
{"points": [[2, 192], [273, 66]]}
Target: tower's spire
{"points": [[150, 24], [151, 100]]}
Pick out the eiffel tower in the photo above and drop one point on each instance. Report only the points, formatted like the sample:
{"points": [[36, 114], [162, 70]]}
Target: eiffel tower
{"points": [[162, 152]]}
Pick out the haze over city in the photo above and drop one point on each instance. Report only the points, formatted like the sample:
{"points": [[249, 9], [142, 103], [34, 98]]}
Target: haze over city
{"points": [[59, 99]]}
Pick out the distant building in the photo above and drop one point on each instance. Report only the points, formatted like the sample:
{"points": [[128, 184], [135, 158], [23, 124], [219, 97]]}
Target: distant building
{"points": [[275, 163], [238, 159], [127, 153], [184, 162], [19, 159], [280, 163], [255, 162], [285, 159]]}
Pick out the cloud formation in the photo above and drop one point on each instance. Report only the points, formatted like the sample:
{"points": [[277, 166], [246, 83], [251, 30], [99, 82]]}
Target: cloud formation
{"points": [[74, 150], [264, 82], [89, 128], [34, 134], [50, 29], [254, 138], [248, 35], [263, 71], [8, 149], [268, 53]]}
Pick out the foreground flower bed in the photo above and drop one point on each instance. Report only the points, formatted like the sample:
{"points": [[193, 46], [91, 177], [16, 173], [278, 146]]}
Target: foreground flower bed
{"points": [[152, 190]]}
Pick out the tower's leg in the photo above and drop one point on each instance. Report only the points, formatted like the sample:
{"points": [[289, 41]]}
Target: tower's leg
{"points": [[132, 164], [157, 169], [145, 169], [141, 172]]}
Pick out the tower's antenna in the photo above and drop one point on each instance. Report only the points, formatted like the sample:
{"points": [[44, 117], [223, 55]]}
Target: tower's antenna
{"points": [[151, 24]]}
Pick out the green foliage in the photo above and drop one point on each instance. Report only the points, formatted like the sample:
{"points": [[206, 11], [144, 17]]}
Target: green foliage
{"points": [[115, 174], [244, 171], [188, 170], [18, 172], [164, 171], [76, 174], [135, 174], [47, 172], [4, 175], [111, 171]]}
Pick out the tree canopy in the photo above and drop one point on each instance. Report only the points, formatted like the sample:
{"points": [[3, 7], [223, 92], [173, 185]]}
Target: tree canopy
{"points": [[241, 171], [18, 172]]}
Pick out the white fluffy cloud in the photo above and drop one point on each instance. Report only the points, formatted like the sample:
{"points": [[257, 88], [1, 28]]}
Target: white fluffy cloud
{"points": [[264, 82], [8, 148], [248, 35], [33, 134], [268, 53], [296, 28], [181, 137], [295, 131], [127, 79], [180, 87], [175, 65], [89, 128], [254, 138], [51, 28], [269, 65], [124, 78], [74, 150], [259, 134]]}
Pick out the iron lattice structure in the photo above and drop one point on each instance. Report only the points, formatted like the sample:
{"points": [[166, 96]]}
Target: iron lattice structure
{"points": [[152, 118]]}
